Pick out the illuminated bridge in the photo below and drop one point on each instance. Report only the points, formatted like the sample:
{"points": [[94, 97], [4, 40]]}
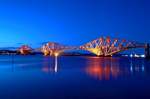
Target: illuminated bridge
{"points": [[107, 46], [25, 49], [103, 46], [52, 48]]}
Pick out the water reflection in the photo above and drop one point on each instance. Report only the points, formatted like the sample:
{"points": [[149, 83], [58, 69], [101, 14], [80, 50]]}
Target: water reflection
{"points": [[107, 68], [137, 65], [50, 64], [102, 68], [97, 67], [77, 79], [56, 63]]}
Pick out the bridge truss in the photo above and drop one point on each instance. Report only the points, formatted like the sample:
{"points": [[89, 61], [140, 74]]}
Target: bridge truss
{"points": [[106, 46], [103, 46]]}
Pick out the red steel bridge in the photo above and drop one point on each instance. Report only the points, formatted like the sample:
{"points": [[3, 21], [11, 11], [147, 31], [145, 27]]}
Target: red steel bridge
{"points": [[103, 46]]}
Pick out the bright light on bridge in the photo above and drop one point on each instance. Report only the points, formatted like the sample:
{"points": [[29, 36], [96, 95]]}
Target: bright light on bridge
{"points": [[56, 54]]}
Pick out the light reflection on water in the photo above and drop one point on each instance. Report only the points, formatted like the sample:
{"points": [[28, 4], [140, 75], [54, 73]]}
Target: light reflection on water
{"points": [[73, 77], [100, 68], [103, 68], [47, 67], [109, 67]]}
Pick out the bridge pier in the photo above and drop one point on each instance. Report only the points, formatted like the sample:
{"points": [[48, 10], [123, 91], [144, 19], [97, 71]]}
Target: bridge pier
{"points": [[147, 51]]}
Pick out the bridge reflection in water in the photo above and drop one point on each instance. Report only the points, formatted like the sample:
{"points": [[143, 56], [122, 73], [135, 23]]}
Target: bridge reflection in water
{"points": [[50, 65], [106, 68], [101, 68]]}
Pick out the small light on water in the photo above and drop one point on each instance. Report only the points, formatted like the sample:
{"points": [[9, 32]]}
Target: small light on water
{"points": [[55, 69], [143, 68], [131, 55], [131, 69], [142, 55], [136, 55]]}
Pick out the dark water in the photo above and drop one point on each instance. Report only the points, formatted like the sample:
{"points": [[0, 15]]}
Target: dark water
{"points": [[38, 77]]}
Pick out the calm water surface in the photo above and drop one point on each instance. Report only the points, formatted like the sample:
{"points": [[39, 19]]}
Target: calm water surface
{"points": [[73, 77]]}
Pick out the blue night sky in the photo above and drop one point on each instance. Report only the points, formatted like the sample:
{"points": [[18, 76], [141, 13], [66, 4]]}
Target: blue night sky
{"points": [[72, 22]]}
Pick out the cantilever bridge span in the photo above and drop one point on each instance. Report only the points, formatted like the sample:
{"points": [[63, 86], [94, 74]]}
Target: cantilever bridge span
{"points": [[103, 46], [109, 46], [51, 48]]}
